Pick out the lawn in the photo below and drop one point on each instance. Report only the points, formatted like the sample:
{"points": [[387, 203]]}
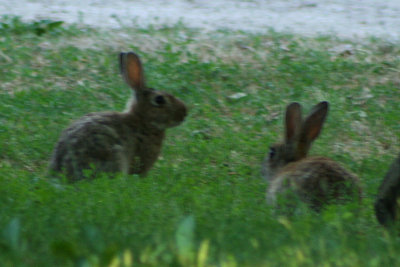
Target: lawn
{"points": [[203, 203]]}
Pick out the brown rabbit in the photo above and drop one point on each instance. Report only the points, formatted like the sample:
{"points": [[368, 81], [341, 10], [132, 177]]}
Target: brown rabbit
{"points": [[314, 180], [386, 204], [127, 142]]}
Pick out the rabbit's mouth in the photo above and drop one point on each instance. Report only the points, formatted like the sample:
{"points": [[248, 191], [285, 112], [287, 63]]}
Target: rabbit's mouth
{"points": [[165, 125], [180, 118], [176, 121]]}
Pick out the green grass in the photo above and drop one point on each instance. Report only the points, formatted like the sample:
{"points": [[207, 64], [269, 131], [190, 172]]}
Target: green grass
{"points": [[203, 203]]}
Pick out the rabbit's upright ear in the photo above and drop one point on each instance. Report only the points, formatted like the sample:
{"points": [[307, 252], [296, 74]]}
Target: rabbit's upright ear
{"points": [[293, 121], [132, 70], [311, 127]]}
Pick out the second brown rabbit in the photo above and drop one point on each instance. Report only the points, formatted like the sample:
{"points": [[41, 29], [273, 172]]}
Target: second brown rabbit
{"points": [[315, 180]]}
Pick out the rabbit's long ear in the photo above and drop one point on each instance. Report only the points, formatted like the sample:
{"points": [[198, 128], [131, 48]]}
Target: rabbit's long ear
{"points": [[293, 121], [132, 70], [311, 127]]}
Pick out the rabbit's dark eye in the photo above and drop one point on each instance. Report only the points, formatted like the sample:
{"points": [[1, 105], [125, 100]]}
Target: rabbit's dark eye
{"points": [[159, 100], [272, 153]]}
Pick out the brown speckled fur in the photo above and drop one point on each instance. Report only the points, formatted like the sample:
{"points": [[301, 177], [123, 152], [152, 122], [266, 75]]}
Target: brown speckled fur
{"points": [[387, 202], [128, 142], [315, 180]]}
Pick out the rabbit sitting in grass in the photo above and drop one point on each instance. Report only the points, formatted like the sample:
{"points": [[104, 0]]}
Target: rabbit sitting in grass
{"points": [[126, 142], [315, 180]]}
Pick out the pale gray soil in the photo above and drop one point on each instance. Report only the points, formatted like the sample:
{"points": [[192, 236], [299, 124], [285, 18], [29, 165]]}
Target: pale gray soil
{"points": [[351, 19]]}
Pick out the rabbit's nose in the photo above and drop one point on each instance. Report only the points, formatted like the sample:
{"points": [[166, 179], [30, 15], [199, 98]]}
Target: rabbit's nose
{"points": [[184, 112], [181, 113]]}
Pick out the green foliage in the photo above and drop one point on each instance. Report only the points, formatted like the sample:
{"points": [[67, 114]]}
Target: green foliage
{"points": [[203, 203], [185, 240], [14, 25]]}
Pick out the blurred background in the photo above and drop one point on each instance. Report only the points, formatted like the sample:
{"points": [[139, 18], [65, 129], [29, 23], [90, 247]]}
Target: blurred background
{"points": [[344, 18]]}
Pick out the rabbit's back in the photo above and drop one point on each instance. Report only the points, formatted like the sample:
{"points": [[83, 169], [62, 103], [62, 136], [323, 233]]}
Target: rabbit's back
{"points": [[106, 142], [93, 141], [317, 181]]}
